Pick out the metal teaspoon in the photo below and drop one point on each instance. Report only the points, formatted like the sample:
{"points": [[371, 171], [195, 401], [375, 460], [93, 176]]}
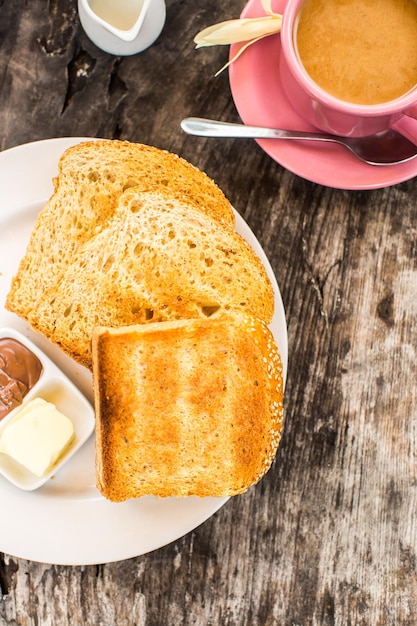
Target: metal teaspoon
{"points": [[385, 148]]}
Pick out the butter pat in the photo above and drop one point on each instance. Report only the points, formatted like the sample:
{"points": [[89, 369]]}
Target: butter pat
{"points": [[37, 436]]}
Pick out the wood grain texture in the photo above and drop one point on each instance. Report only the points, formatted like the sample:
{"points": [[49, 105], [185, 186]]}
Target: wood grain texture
{"points": [[329, 536]]}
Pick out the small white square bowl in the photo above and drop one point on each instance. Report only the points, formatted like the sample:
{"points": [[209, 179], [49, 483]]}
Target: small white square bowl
{"points": [[52, 386]]}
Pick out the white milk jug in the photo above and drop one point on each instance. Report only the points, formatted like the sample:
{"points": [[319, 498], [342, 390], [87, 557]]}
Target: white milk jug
{"points": [[122, 27]]}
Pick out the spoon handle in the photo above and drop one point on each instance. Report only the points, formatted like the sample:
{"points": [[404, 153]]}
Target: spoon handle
{"points": [[211, 128]]}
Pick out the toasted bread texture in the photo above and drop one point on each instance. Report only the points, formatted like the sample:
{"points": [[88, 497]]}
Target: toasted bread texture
{"points": [[91, 178], [187, 407], [158, 258]]}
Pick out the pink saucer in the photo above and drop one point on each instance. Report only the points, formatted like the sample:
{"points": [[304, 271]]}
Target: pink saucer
{"points": [[260, 100]]}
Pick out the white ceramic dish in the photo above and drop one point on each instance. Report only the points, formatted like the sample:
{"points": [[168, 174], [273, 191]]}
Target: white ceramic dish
{"points": [[142, 34], [67, 521], [54, 387]]}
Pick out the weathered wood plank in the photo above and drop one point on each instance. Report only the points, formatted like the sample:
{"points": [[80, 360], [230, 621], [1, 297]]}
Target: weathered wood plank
{"points": [[329, 536]]}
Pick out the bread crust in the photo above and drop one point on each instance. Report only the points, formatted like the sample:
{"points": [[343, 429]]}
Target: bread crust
{"points": [[189, 407]]}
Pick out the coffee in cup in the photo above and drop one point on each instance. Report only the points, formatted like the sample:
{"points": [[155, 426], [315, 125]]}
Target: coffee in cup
{"points": [[360, 51], [379, 104]]}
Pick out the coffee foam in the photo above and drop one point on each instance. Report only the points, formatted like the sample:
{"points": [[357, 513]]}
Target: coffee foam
{"points": [[360, 51]]}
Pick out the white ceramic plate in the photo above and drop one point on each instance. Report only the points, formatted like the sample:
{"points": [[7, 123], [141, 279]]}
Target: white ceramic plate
{"points": [[67, 521]]}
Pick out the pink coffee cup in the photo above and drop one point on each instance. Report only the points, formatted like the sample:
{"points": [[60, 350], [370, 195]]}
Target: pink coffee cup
{"points": [[329, 113]]}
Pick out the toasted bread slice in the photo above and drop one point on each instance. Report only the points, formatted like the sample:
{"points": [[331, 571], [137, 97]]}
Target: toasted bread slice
{"points": [[159, 258], [188, 407], [91, 177]]}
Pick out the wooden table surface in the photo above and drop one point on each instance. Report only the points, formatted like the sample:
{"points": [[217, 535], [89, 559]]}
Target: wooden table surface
{"points": [[329, 535]]}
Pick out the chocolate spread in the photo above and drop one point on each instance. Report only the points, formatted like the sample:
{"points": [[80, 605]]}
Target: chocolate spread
{"points": [[20, 370]]}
